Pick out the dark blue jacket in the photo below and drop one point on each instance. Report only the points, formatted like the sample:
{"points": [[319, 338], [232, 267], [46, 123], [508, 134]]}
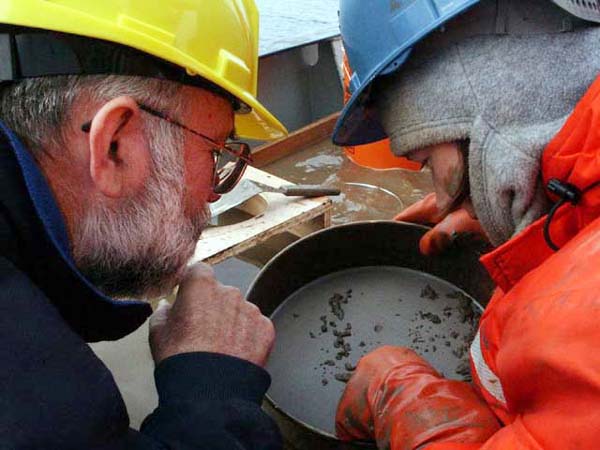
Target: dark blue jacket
{"points": [[54, 392]]}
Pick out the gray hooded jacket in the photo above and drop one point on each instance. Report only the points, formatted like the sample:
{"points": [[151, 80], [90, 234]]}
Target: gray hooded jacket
{"points": [[505, 75]]}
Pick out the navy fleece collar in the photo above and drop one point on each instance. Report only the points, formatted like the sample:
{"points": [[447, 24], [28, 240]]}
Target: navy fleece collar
{"points": [[53, 223]]}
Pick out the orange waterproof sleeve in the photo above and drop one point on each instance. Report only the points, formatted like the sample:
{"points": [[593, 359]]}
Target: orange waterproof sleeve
{"points": [[398, 399], [547, 363]]}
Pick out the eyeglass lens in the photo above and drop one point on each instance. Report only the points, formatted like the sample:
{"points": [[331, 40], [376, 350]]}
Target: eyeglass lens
{"points": [[230, 166]]}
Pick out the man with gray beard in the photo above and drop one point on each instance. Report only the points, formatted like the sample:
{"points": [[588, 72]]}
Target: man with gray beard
{"points": [[112, 130]]}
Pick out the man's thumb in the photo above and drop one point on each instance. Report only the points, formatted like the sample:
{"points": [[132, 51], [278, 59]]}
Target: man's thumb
{"points": [[159, 318]]}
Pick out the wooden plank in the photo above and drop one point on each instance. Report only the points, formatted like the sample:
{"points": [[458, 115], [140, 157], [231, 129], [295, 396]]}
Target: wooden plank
{"points": [[249, 240], [281, 214], [316, 224], [298, 140]]}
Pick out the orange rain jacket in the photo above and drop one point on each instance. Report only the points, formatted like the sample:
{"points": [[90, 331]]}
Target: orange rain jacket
{"points": [[535, 359]]}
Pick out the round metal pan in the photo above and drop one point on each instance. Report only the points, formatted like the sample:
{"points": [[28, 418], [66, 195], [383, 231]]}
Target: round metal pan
{"points": [[343, 291]]}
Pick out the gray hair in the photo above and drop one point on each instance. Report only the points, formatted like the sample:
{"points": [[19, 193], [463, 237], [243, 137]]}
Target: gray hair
{"points": [[140, 246], [38, 109]]}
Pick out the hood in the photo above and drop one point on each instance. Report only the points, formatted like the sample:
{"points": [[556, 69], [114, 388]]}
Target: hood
{"points": [[573, 157], [509, 95]]}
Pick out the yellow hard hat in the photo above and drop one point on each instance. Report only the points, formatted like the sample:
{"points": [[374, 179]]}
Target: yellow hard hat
{"points": [[198, 42]]}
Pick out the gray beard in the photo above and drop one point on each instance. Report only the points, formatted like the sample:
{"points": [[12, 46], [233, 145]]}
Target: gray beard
{"points": [[152, 267], [142, 248]]}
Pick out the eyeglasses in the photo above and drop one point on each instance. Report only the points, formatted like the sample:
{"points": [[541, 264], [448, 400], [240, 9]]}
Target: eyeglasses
{"points": [[229, 160]]}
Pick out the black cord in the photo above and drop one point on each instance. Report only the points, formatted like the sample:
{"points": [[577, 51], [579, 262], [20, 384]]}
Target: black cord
{"points": [[547, 237], [567, 193]]}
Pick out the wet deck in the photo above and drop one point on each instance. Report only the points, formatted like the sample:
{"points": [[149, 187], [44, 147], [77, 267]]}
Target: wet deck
{"points": [[366, 195]]}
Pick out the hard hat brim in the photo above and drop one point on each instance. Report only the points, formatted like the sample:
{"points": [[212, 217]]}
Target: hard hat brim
{"points": [[357, 124]]}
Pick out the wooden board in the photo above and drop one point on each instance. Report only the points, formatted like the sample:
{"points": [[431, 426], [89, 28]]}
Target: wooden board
{"points": [[296, 215], [298, 140]]}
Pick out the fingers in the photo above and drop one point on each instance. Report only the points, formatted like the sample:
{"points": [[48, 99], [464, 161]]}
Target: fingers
{"points": [[160, 315], [443, 233], [434, 242], [210, 317], [437, 239], [424, 211], [198, 273], [157, 325], [459, 221]]}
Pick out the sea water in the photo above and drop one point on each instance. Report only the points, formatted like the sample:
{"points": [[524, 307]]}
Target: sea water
{"points": [[289, 23]]}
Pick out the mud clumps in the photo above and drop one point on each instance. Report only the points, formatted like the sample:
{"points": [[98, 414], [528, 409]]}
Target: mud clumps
{"points": [[343, 377], [433, 318], [349, 367], [460, 351], [435, 332], [324, 324], [465, 306], [464, 370], [336, 301], [341, 347], [342, 334], [429, 292], [344, 353]]}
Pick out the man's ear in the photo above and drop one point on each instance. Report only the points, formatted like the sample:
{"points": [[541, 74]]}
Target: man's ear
{"points": [[119, 152]]}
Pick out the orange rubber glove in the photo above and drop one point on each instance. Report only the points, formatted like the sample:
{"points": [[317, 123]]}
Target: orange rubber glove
{"points": [[445, 229], [397, 399]]}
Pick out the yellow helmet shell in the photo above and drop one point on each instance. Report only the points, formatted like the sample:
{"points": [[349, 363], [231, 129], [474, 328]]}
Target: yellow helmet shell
{"points": [[214, 39]]}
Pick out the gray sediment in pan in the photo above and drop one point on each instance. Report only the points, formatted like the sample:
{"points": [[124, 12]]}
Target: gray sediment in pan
{"points": [[324, 328]]}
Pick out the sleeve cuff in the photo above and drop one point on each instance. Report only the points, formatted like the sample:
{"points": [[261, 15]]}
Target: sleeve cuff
{"points": [[200, 376]]}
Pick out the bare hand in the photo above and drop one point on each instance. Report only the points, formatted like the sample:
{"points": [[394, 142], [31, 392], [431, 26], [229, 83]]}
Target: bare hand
{"points": [[210, 317]]}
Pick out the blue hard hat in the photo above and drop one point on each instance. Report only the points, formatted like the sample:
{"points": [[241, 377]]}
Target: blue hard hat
{"points": [[378, 36]]}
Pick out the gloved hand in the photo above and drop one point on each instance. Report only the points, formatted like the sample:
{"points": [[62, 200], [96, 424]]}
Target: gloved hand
{"points": [[445, 229], [397, 399]]}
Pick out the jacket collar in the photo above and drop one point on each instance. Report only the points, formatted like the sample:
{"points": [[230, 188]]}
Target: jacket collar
{"points": [[511, 261], [42, 250], [573, 156]]}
